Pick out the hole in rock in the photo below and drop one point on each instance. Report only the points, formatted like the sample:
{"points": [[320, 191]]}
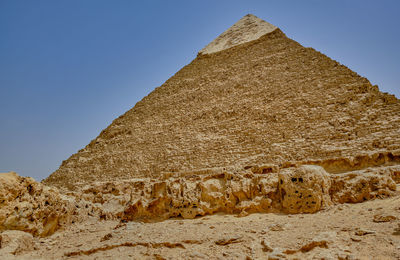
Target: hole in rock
{"points": [[283, 193], [266, 170], [30, 188], [294, 179]]}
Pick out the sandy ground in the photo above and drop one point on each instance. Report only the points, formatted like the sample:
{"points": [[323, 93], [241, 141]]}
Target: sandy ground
{"points": [[346, 231]]}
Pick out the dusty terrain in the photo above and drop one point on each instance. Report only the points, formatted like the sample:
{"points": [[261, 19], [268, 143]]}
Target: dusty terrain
{"points": [[260, 148], [345, 231], [258, 214]]}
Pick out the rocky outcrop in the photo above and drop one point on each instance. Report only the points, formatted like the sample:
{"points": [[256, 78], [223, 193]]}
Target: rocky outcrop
{"points": [[30, 206], [359, 162], [187, 196], [15, 242], [304, 189], [40, 210], [359, 186]]}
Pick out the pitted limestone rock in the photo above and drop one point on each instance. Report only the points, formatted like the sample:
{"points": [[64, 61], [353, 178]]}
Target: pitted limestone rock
{"points": [[15, 242], [304, 189], [186, 196], [32, 207], [295, 189], [363, 185]]}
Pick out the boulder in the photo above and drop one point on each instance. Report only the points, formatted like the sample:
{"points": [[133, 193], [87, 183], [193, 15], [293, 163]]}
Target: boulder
{"points": [[363, 185], [304, 189], [32, 207]]}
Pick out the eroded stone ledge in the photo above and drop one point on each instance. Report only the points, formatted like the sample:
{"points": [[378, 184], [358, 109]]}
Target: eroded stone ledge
{"points": [[41, 210], [30, 206], [303, 189]]}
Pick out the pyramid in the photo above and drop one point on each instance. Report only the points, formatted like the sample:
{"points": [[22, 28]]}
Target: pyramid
{"points": [[252, 96], [247, 29]]}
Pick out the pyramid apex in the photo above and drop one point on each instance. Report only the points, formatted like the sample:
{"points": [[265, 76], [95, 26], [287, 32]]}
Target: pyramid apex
{"points": [[250, 15], [248, 28]]}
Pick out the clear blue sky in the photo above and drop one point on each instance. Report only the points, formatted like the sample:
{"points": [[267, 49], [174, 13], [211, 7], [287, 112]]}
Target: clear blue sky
{"points": [[68, 68]]}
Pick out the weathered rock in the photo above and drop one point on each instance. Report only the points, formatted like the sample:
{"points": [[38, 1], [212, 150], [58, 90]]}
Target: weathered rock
{"points": [[276, 227], [228, 241], [395, 174], [29, 206], [304, 189], [277, 254], [106, 237], [363, 232], [321, 240], [266, 247], [379, 218], [397, 230], [357, 162], [15, 242], [359, 186], [186, 196], [33, 207]]}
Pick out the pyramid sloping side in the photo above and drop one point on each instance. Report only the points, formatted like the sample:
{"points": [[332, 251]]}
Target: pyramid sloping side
{"points": [[266, 101]]}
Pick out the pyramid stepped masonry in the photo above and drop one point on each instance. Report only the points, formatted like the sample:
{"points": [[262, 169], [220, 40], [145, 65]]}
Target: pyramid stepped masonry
{"points": [[256, 123], [251, 97]]}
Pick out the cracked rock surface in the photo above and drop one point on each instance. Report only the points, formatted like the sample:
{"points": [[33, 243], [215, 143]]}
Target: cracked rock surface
{"points": [[325, 234]]}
